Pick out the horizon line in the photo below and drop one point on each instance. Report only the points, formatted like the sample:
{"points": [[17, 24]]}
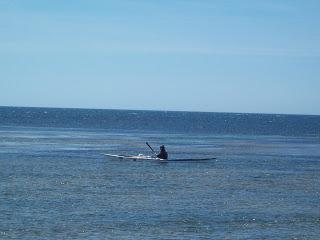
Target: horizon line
{"points": [[158, 110]]}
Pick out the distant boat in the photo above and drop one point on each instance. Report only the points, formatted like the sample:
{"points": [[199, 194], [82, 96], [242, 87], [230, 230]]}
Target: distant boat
{"points": [[144, 157]]}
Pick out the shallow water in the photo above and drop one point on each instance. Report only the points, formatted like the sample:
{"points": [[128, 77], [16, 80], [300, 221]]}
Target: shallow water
{"points": [[55, 183]]}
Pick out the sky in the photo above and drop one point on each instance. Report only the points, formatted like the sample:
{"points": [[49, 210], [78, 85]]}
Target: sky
{"points": [[253, 56]]}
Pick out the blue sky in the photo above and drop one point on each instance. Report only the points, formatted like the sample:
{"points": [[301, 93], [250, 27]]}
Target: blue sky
{"points": [[218, 56]]}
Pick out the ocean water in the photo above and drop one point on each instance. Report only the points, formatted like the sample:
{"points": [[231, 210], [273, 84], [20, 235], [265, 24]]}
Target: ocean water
{"points": [[55, 182]]}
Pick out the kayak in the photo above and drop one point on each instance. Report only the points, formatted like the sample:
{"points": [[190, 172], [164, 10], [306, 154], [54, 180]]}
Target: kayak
{"points": [[192, 159], [137, 157], [144, 157]]}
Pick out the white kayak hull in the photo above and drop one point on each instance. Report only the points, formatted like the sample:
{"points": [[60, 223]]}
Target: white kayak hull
{"points": [[144, 157], [137, 157]]}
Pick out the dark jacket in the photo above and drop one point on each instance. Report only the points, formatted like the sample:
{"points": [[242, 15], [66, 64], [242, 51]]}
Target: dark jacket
{"points": [[163, 154]]}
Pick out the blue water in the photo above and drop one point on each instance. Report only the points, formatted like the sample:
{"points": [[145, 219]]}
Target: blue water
{"points": [[55, 182]]}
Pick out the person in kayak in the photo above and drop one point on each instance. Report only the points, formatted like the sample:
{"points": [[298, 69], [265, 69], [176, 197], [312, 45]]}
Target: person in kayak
{"points": [[163, 153]]}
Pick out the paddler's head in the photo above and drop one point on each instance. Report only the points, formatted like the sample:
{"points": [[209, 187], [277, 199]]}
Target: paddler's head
{"points": [[162, 147]]}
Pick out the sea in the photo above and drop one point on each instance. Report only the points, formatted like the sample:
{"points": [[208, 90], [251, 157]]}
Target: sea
{"points": [[56, 182]]}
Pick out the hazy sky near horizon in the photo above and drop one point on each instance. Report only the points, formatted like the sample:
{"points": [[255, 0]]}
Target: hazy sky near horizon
{"points": [[219, 56]]}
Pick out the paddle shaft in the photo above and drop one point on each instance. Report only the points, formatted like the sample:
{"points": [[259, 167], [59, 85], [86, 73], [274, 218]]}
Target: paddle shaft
{"points": [[150, 147]]}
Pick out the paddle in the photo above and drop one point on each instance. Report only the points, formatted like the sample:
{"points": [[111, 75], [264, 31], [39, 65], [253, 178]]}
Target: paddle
{"points": [[155, 154], [150, 148]]}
